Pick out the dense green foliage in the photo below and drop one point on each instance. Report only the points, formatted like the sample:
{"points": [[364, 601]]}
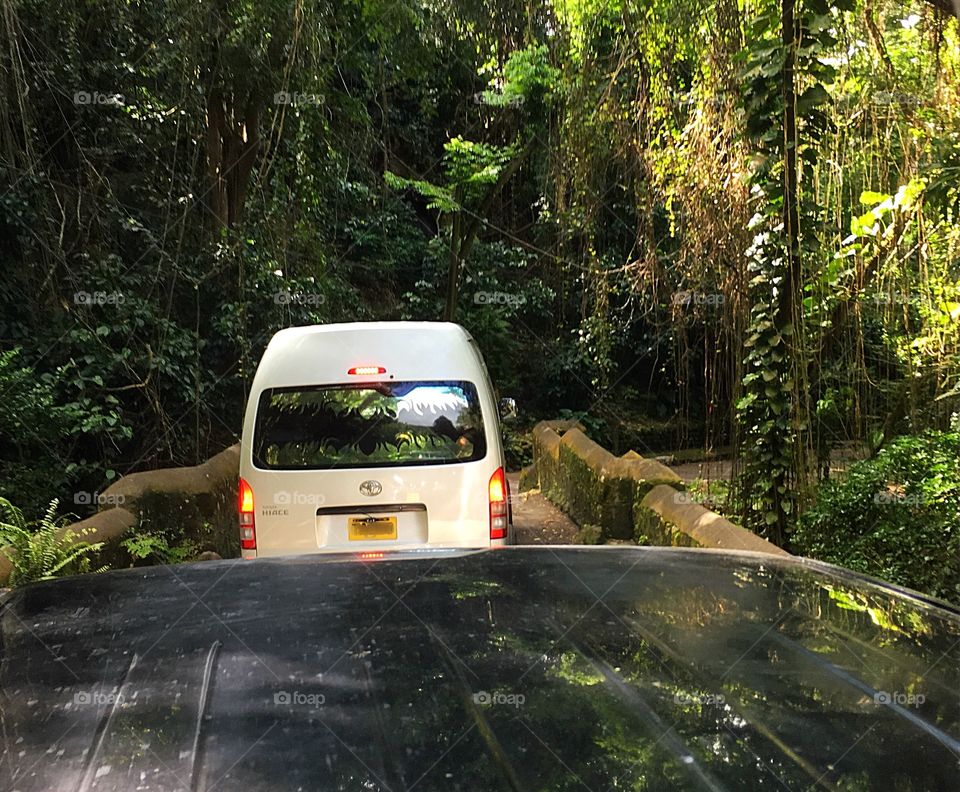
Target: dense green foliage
{"points": [[159, 547], [696, 222], [896, 516]]}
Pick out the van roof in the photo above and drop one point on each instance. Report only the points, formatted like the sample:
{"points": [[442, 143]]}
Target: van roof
{"points": [[322, 354], [371, 327]]}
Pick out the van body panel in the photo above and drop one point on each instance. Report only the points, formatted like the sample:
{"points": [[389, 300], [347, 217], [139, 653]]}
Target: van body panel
{"points": [[438, 505]]}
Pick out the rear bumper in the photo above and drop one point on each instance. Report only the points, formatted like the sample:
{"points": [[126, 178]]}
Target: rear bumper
{"points": [[372, 547]]}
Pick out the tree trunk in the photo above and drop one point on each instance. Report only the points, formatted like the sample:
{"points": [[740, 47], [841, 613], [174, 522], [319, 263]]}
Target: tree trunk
{"points": [[461, 241], [951, 7], [453, 272], [232, 144]]}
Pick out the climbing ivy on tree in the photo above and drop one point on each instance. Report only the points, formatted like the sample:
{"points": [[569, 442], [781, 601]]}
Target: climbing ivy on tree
{"points": [[785, 86]]}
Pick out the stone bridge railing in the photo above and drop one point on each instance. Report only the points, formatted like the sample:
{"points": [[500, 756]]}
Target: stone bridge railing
{"points": [[199, 501], [628, 497]]}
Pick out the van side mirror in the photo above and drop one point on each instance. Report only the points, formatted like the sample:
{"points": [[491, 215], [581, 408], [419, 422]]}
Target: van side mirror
{"points": [[508, 409]]}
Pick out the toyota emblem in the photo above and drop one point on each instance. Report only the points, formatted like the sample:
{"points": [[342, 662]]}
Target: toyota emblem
{"points": [[370, 487]]}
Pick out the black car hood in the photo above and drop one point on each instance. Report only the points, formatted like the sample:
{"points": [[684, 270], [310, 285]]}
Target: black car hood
{"points": [[518, 669]]}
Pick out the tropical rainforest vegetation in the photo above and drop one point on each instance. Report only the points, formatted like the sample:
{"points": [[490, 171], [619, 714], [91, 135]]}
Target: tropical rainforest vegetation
{"points": [[711, 224]]}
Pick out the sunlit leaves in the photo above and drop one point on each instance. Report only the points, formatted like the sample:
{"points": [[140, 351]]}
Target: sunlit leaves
{"points": [[439, 197], [527, 78], [469, 162], [468, 167]]}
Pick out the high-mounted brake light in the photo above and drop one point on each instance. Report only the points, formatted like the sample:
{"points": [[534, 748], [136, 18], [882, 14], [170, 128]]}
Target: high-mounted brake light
{"points": [[248, 528], [497, 492], [366, 370]]}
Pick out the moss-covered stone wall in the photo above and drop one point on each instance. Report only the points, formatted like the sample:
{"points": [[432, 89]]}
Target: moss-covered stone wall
{"points": [[200, 502], [628, 497]]}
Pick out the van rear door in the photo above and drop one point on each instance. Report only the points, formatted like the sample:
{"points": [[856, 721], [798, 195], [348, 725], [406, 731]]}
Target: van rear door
{"points": [[370, 465]]}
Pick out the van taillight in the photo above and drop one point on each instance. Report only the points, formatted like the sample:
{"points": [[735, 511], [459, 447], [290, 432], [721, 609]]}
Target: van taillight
{"points": [[248, 527], [498, 505], [366, 370]]}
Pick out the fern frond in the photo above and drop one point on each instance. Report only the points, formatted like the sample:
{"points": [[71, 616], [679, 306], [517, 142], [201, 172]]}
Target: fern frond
{"points": [[38, 550]]}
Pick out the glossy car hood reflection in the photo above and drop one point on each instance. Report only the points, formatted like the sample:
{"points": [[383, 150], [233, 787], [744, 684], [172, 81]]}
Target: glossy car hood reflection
{"points": [[519, 669]]}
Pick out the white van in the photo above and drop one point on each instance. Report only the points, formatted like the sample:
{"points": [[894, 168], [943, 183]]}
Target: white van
{"points": [[372, 436]]}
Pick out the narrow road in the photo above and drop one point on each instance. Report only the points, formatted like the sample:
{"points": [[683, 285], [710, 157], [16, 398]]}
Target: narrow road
{"points": [[714, 470], [537, 520]]}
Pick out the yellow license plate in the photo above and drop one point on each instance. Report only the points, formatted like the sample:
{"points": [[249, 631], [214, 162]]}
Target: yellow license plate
{"points": [[360, 529]]}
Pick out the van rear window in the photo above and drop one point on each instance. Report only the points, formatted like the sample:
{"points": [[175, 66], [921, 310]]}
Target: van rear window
{"points": [[368, 425]]}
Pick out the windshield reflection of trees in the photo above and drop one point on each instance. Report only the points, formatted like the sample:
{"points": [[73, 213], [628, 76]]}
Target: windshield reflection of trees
{"points": [[662, 686], [600, 671]]}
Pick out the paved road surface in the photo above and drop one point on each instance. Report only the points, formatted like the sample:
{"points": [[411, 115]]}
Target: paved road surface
{"points": [[537, 521], [714, 470]]}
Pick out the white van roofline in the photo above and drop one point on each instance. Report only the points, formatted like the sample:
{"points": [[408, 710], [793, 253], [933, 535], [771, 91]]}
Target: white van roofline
{"points": [[377, 327], [322, 354]]}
